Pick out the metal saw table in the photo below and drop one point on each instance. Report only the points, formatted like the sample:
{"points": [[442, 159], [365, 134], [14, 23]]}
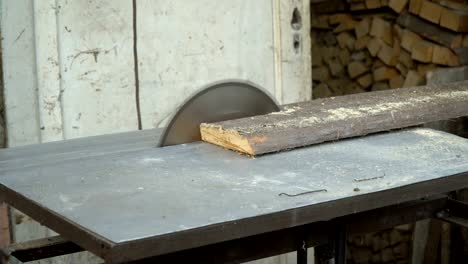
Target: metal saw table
{"points": [[124, 200]]}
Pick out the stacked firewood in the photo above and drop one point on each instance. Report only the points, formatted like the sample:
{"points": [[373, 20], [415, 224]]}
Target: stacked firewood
{"points": [[387, 246], [370, 45]]}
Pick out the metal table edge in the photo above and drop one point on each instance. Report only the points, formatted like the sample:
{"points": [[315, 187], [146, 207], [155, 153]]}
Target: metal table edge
{"points": [[70, 230], [160, 245]]}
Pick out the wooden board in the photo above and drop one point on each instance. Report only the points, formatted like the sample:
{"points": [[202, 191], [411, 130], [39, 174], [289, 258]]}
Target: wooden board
{"points": [[336, 118]]}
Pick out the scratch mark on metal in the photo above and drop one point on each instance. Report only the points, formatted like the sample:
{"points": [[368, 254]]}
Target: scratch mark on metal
{"points": [[303, 193], [369, 179]]}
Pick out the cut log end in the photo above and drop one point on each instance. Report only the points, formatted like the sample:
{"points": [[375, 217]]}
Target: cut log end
{"points": [[226, 138]]}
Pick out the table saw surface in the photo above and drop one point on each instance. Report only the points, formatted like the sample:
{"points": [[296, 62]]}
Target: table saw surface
{"points": [[122, 198]]}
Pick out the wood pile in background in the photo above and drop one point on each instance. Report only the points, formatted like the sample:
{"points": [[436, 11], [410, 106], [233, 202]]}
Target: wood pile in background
{"points": [[387, 246], [370, 45]]}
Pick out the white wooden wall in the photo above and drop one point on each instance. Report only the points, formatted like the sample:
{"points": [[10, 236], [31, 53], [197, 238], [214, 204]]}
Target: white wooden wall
{"points": [[69, 65]]}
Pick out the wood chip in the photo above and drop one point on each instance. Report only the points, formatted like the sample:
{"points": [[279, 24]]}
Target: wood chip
{"points": [[431, 11], [444, 56], [415, 6], [408, 39], [320, 74], [396, 82], [388, 55], [365, 81], [385, 73], [362, 28], [374, 46], [422, 51], [454, 20], [356, 68], [382, 29], [398, 5]]}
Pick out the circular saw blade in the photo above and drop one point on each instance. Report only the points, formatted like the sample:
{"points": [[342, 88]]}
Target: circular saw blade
{"points": [[217, 102]]}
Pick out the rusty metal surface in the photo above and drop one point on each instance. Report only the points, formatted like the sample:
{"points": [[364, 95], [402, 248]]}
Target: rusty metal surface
{"points": [[129, 204]]}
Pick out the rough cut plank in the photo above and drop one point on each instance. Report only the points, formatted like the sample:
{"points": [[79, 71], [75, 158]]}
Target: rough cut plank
{"points": [[336, 118]]}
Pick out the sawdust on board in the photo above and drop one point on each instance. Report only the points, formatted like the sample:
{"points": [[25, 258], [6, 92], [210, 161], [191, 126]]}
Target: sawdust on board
{"points": [[288, 110], [344, 113]]}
